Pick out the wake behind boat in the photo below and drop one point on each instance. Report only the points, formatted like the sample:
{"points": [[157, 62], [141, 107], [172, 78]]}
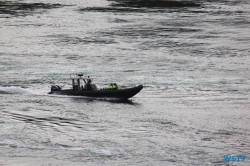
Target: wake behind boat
{"points": [[90, 90]]}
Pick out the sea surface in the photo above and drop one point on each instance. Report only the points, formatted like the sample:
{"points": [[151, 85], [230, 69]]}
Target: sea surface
{"points": [[191, 56]]}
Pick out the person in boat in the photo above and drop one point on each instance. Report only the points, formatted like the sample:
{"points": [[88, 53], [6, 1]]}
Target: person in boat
{"points": [[111, 86], [115, 86], [88, 85]]}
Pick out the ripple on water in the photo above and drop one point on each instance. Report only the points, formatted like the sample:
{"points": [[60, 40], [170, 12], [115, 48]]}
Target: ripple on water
{"points": [[191, 57], [14, 9]]}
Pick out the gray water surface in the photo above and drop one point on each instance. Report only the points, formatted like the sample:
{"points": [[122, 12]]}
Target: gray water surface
{"points": [[191, 56]]}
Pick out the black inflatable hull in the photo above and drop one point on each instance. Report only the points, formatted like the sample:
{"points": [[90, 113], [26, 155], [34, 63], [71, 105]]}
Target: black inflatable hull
{"points": [[119, 93]]}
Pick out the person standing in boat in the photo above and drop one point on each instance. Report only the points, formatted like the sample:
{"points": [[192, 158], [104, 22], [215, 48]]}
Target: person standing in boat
{"points": [[88, 84]]}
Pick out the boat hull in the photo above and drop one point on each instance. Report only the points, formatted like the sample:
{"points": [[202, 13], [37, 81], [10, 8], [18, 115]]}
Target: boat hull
{"points": [[119, 93]]}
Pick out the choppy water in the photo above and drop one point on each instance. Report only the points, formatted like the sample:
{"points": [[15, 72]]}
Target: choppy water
{"points": [[191, 56]]}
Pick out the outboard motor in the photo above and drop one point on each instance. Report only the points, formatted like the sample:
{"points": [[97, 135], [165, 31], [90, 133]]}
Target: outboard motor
{"points": [[55, 88]]}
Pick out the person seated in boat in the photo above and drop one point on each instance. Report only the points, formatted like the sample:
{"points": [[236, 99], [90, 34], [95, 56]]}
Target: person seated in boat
{"points": [[115, 86], [111, 86]]}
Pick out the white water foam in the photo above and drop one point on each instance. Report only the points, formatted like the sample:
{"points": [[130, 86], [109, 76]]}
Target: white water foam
{"points": [[18, 90]]}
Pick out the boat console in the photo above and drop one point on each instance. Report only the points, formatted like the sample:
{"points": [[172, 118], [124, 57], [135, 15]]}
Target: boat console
{"points": [[77, 86]]}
